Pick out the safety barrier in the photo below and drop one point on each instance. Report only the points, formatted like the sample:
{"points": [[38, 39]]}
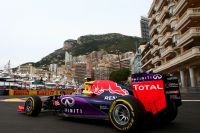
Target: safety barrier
{"points": [[1, 92], [4, 92], [40, 92]]}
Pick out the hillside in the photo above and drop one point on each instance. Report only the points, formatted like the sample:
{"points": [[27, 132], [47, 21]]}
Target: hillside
{"points": [[86, 44], [108, 42], [57, 57]]}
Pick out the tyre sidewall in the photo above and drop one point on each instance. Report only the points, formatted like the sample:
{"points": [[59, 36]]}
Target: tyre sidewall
{"points": [[36, 106], [132, 105]]}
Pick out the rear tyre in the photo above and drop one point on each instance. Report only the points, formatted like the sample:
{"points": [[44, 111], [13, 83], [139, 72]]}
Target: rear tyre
{"points": [[169, 114], [125, 114], [33, 106]]}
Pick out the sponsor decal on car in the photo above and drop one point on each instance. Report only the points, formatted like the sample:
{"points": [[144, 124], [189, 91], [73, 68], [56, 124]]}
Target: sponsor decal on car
{"points": [[73, 111], [151, 94], [147, 87], [110, 98], [68, 101], [99, 87], [146, 77]]}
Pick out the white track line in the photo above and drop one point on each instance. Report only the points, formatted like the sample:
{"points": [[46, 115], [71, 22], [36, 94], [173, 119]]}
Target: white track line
{"points": [[190, 100]]}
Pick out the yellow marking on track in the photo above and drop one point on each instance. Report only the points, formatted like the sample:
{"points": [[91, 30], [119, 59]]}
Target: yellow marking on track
{"points": [[13, 100]]}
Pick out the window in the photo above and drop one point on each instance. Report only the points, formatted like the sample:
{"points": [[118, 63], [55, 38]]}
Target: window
{"points": [[174, 39], [171, 10]]}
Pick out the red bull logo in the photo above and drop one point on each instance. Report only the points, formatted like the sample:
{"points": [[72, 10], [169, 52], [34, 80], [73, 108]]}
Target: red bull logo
{"points": [[101, 86]]}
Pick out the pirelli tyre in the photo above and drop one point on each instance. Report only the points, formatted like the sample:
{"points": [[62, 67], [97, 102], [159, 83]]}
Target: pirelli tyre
{"points": [[33, 106], [126, 114]]}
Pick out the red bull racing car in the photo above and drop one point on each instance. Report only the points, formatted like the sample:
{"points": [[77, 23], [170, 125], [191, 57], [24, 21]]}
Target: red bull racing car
{"points": [[152, 96]]}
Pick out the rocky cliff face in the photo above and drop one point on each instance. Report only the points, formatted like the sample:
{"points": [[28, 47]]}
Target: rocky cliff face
{"points": [[69, 44], [107, 42], [105, 37], [86, 44]]}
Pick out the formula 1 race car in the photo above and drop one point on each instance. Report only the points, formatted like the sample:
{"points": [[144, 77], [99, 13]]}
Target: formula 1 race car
{"points": [[152, 96]]}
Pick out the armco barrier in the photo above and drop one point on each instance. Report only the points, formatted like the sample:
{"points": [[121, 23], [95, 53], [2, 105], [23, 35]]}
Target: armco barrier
{"points": [[4, 92], [1, 92], [40, 92]]}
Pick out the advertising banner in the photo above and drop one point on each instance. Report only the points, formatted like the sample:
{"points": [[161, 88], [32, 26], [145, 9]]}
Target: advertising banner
{"points": [[40, 92]]}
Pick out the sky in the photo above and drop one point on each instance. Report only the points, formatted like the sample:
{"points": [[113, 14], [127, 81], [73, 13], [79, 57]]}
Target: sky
{"points": [[32, 29]]}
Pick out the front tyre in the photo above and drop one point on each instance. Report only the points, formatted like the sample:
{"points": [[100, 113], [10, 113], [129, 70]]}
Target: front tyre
{"points": [[125, 114], [33, 106]]}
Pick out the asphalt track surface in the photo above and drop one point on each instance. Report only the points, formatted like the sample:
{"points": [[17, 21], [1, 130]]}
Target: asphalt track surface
{"points": [[13, 122]]}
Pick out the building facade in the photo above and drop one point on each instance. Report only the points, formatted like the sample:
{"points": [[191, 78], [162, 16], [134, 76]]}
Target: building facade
{"points": [[144, 29], [26, 69], [68, 60], [175, 40], [122, 61], [136, 63], [80, 72]]}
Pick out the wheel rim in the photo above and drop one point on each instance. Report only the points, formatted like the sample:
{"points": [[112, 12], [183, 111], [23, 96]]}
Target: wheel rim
{"points": [[29, 105], [121, 114]]}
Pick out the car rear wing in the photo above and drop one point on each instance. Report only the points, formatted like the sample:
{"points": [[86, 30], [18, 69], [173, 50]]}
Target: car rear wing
{"points": [[155, 91]]}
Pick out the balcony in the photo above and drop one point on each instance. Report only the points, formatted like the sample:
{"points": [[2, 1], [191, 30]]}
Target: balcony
{"points": [[181, 4], [152, 20], [157, 16], [166, 38], [171, 4], [163, 14], [167, 51], [160, 4], [150, 70], [164, 26], [173, 22], [154, 40], [191, 35], [155, 59], [153, 29], [187, 16], [189, 55], [149, 52], [148, 62], [152, 8], [153, 50], [160, 38]]}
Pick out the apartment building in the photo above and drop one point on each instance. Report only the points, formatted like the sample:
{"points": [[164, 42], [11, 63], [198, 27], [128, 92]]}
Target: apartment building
{"points": [[80, 72], [144, 29], [26, 69], [122, 61], [104, 67], [136, 60], [102, 72], [174, 46]]}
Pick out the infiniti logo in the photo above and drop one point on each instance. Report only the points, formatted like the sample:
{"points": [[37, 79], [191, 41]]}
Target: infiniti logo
{"points": [[68, 101], [157, 76]]}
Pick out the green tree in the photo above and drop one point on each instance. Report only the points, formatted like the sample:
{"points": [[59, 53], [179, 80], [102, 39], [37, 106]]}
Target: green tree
{"points": [[120, 75]]}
